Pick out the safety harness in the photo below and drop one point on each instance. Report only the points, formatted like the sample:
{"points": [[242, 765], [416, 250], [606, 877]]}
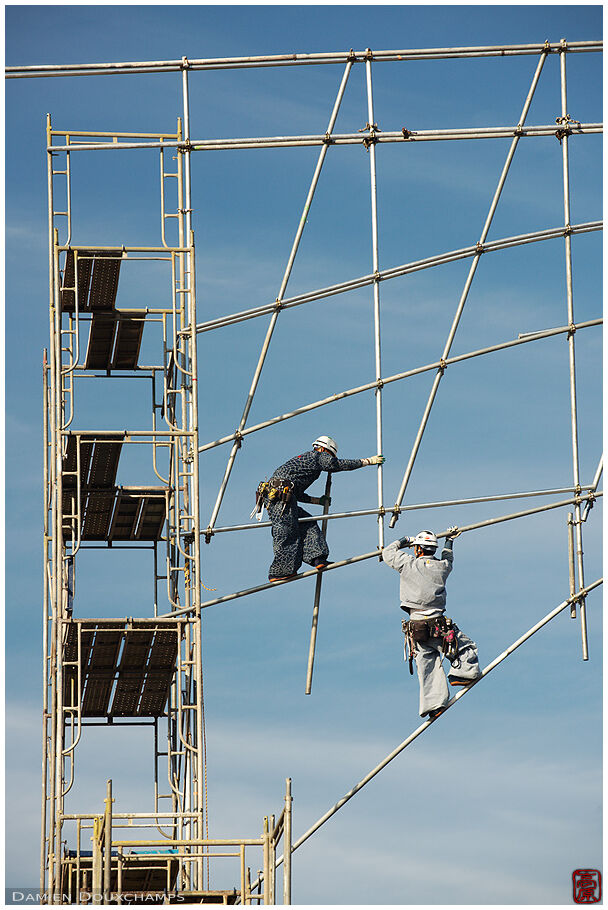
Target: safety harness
{"points": [[273, 490], [420, 630]]}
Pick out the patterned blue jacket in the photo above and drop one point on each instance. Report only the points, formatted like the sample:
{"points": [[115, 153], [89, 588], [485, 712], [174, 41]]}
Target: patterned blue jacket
{"points": [[302, 470]]}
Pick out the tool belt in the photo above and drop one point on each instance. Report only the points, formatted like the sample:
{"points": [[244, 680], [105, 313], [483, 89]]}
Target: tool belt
{"points": [[420, 630], [273, 490]]}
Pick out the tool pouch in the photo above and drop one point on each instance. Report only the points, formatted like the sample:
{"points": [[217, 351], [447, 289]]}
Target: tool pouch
{"points": [[260, 493], [279, 490], [418, 629]]}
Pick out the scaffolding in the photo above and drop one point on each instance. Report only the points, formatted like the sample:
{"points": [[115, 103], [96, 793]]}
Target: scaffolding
{"points": [[149, 671]]}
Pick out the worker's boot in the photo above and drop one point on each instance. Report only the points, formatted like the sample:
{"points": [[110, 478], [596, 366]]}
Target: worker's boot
{"points": [[321, 562], [435, 713], [275, 578], [462, 682]]}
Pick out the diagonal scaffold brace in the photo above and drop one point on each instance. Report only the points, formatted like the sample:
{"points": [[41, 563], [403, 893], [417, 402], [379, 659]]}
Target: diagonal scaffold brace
{"points": [[315, 609]]}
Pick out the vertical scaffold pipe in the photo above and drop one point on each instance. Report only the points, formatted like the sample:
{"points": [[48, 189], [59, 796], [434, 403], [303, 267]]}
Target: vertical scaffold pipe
{"points": [[107, 846], [58, 720], [465, 293], [194, 506], [578, 530], [571, 569], [287, 843], [281, 294], [45, 620], [51, 555], [376, 286], [315, 609]]}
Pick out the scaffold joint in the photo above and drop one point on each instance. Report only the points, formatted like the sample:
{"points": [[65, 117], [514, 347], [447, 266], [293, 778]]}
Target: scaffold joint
{"points": [[571, 331], [327, 140], [278, 305], [547, 46], [185, 63], [369, 54], [351, 56], [442, 366], [406, 133], [380, 384], [479, 248], [209, 534], [188, 538], [519, 130], [238, 438], [567, 230]]}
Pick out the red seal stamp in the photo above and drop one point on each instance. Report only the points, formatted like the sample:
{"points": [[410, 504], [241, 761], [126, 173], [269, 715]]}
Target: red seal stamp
{"points": [[586, 886]]}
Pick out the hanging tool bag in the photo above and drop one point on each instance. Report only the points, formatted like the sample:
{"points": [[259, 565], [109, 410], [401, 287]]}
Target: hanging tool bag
{"points": [[420, 630], [273, 490]]}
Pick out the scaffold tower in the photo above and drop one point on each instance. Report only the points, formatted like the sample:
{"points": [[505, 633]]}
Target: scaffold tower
{"points": [[112, 671]]}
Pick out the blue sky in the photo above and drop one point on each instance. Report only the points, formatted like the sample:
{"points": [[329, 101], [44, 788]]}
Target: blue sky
{"points": [[513, 773]]}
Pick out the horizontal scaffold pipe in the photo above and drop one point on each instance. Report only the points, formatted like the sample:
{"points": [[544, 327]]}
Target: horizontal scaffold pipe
{"points": [[353, 559], [402, 135], [406, 742], [398, 271], [410, 508], [211, 63], [368, 386]]}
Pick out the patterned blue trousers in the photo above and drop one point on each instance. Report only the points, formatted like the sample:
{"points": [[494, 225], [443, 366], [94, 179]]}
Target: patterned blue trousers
{"points": [[293, 542]]}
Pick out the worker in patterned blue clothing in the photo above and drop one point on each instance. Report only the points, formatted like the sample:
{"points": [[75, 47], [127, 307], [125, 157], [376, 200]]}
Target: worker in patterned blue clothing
{"points": [[296, 542]]}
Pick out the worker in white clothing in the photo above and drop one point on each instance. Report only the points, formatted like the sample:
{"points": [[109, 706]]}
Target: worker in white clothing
{"points": [[429, 634]]}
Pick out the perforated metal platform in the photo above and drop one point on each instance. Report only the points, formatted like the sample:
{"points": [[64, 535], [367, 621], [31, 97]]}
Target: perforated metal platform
{"points": [[114, 341], [126, 666], [98, 272]]}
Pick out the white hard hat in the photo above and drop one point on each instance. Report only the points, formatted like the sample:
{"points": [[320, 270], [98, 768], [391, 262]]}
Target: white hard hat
{"points": [[328, 443], [426, 539]]}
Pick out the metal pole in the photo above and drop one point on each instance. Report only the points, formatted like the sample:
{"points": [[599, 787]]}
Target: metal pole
{"points": [[363, 556], [267, 889], [315, 609], [397, 272], [465, 293], [366, 387], [281, 293], [491, 666], [50, 559], [571, 570], [287, 843], [107, 850], [376, 267], [572, 364], [45, 622], [194, 499], [339, 139], [413, 507], [58, 719], [123, 68]]}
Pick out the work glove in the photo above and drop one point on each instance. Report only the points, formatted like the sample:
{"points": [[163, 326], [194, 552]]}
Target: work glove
{"points": [[324, 501], [375, 459], [452, 533], [405, 542]]}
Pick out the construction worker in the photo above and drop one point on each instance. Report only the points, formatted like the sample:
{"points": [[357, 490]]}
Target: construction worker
{"points": [[296, 542], [429, 634]]}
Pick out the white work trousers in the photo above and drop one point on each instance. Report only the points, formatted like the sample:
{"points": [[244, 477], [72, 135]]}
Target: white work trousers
{"points": [[434, 691]]}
